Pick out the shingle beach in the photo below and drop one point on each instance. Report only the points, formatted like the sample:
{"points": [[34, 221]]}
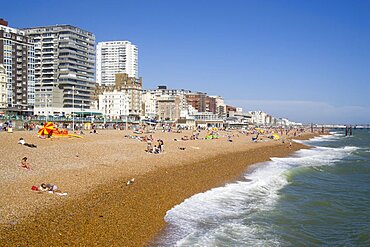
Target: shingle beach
{"points": [[100, 208]]}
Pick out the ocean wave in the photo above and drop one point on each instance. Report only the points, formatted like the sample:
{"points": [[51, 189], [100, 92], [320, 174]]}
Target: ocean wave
{"points": [[337, 133], [317, 139], [206, 211], [203, 219]]}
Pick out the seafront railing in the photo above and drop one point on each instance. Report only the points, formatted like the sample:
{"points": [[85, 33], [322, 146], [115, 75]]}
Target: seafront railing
{"points": [[60, 119], [24, 122]]}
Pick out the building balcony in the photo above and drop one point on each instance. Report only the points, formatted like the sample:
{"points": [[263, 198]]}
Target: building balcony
{"points": [[47, 52]]}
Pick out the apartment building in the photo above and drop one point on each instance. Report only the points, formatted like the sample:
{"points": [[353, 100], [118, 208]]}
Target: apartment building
{"points": [[114, 104], [149, 106], [151, 99], [260, 117], [64, 68], [202, 102], [17, 56], [3, 89], [168, 107], [131, 88], [115, 57], [220, 106]]}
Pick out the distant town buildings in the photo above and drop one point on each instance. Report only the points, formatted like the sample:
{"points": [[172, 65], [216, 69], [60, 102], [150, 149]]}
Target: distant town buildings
{"points": [[50, 71], [259, 117], [17, 56], [159, 103], [65, 68], [115, 57]]}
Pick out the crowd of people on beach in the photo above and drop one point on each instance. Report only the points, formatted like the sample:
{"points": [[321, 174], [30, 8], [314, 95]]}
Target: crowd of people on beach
{"points": [[256, 135], [157, 149], [156, 146]]}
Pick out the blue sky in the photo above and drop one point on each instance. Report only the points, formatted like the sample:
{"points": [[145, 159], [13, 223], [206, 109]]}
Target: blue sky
{"points": [[308, 61]]}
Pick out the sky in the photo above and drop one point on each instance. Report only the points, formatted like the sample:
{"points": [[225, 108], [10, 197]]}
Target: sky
{"points": [[308, 61]]}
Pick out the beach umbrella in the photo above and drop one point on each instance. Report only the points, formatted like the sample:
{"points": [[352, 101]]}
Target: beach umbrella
{"points": [[47, 129], [276, 136], [259, 130]]}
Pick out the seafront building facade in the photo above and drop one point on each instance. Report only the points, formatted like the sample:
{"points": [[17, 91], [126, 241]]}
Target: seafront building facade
{"points": [[220, 106], [127, 89], [183, 106], [50, 71], [17, 56], [64, 69], [202, 102], [197, 100], [175, 104], [262, 118], [114, 104], [165, 104], [115, 57], [149, 105], [3, 89], [168, 107]]}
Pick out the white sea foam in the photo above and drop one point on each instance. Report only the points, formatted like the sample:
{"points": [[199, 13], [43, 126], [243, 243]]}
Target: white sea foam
{"points": [[323, 138], [337, 133], [217, 217], [198, 218]]}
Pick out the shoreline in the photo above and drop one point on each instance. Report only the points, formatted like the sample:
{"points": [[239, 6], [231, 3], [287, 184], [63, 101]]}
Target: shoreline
{"points": [[116, 214]]}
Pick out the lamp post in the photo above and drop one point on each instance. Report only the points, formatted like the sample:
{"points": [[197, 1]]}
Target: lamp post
{"points": [[82, 114], [73, 106], [46, 106]]}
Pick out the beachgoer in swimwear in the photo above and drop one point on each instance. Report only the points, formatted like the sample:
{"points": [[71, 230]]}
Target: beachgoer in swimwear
{"points": [[51, 188], [24, 164], [23, 142], [149, 147]]}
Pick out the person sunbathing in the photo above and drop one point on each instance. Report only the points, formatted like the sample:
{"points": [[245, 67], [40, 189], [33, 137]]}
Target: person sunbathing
{"points": [[50, 188], [24, 164], [185, 138], [23, 142]]}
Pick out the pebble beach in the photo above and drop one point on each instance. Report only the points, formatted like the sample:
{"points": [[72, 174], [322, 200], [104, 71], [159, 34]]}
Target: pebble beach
{"points": [[100, 208]]}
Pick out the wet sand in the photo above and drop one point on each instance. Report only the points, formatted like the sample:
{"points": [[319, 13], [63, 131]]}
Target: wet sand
{"points": [[100, 209]]}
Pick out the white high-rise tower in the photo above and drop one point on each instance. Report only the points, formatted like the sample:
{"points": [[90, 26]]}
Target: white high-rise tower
{"points": [[113, 57]]}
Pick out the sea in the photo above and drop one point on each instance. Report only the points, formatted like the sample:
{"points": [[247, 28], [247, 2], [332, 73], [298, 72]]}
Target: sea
{"points": [[315, 197]]}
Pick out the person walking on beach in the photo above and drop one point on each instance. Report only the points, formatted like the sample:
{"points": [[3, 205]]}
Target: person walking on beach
{"points": [[10, 127], [160, 145]]}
